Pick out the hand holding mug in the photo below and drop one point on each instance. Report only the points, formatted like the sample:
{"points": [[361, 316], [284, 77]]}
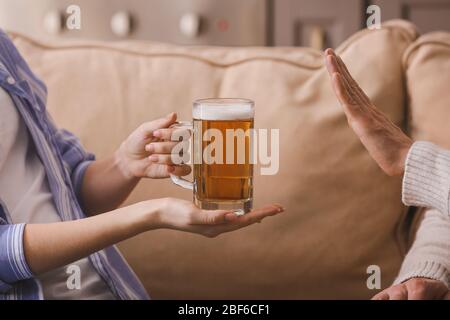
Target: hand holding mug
{"points": [[146, 152]]}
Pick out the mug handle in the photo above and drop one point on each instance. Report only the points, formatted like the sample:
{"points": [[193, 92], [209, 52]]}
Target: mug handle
{"points": [[180, 181]]}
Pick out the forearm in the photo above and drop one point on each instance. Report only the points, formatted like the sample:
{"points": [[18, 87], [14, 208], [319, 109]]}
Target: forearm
{"points": [[48, 246], [429, 257], [105, 186], [426, 182]]}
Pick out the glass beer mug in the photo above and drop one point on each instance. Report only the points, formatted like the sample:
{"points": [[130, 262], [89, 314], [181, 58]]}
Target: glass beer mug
{"points": [[222, 153]]}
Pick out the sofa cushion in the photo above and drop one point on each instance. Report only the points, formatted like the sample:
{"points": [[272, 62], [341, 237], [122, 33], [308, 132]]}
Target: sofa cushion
{"points": [[427, 64], [343, 214]]}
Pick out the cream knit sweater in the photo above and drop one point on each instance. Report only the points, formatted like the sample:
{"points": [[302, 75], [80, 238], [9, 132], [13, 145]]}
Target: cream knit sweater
{"points": [[426, 183]]}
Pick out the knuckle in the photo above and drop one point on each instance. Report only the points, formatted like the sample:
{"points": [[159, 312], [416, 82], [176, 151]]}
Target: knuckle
{"points": [[418, 286], [418, 293], [399, 293], [168, 146], [142, 130], [163, 147], [397, 290], [163, 133], [154, 148]]}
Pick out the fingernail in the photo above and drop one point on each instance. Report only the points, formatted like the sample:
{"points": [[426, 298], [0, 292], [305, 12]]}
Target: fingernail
{"points": [[157, 133], [149, 148], [279, 207], [153, 158]]}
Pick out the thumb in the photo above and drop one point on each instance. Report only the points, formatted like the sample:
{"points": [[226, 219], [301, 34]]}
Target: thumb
{"points": [[165, 122]]}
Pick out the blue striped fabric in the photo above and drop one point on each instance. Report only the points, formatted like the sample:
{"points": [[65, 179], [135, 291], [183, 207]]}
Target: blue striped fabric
{"points": [[65, 162]]}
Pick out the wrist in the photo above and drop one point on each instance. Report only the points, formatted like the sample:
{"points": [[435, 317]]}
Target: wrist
{"points": [[146, 215], [122, 164]]}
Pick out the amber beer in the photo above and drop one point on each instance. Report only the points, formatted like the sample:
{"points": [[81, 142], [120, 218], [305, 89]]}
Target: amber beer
{"points": [[227, 182], [222, 146]]}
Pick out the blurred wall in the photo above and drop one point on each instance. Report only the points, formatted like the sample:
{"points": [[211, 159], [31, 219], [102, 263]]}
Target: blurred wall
{"points": [[314, 23]]}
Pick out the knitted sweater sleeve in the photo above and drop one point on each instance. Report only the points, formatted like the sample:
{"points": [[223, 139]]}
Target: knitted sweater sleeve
{"points": [[426, 183]]}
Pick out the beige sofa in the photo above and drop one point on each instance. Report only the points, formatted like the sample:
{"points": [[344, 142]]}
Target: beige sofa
{"points": [[343, 214]]}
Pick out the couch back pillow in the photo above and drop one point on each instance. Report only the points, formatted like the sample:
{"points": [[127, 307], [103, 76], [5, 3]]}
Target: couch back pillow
{"points": [[342, 213], [427, 64]]}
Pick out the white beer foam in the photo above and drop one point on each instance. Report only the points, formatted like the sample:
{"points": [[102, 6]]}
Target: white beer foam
{"points": [[223, 111]]}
